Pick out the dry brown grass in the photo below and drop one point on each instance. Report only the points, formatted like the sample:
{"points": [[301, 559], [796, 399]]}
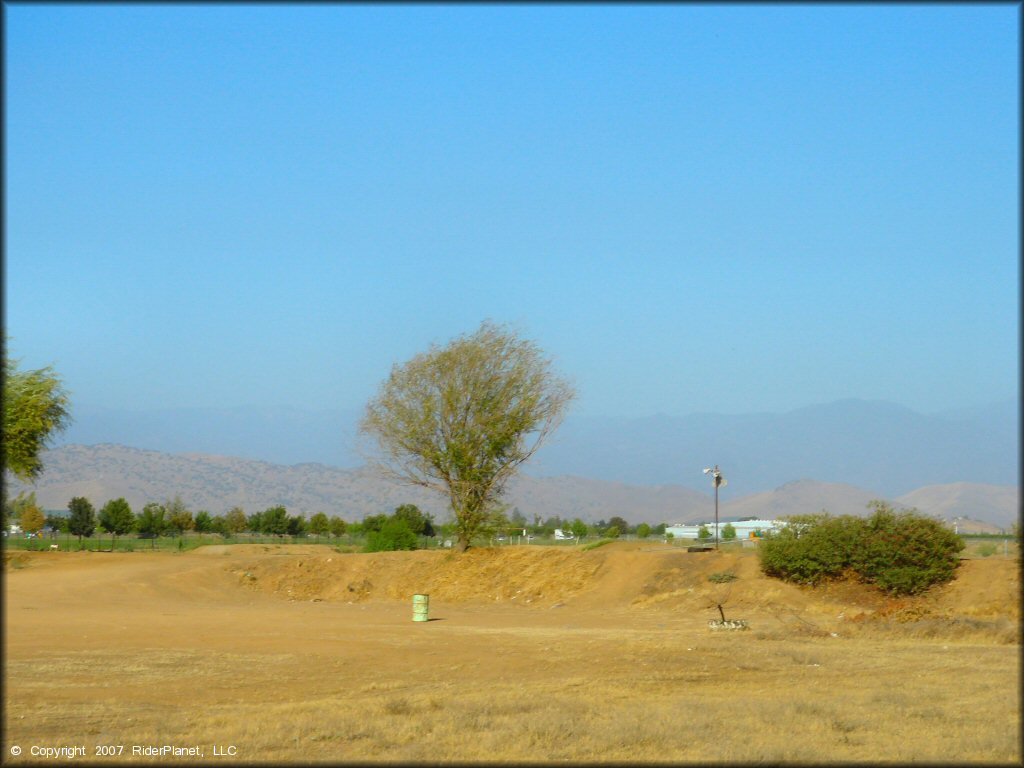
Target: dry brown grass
{"points": [[737, 700], [614, 676]]}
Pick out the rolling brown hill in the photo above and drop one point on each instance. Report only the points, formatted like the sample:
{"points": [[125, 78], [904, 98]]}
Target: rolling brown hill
{"points": [[218, 483]]}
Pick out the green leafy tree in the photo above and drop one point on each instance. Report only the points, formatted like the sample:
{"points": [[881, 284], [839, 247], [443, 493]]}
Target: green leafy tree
{"points": [[619, 523], [338, 527], [274, 521], [659, 529], [728, 532], [703, 533], [82, 521], [461, 419], [35, 411], [296, 525], [643, 531], [611, 532], [234, 520], [254, 523], [393, 535], [32, 519], [57, 523], [151, 522], [319, 525], [373, 523], [578, 528], [117, 519], [419, 523], [203, 523], [14, 507], [219, 524], [179, 517]]}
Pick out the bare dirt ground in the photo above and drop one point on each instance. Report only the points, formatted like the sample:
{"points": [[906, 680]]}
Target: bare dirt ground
{"points": [[301, 654]]}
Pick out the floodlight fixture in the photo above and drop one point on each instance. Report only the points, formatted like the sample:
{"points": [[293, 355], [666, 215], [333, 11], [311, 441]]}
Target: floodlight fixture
{"points": [[716, 480]]}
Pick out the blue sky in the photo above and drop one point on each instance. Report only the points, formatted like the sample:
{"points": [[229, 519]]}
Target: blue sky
{"points": [[689, 207]]}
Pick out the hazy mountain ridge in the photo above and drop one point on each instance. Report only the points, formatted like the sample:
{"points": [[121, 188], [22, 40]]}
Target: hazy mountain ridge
{"points": [[217, 483], [868, 444]]}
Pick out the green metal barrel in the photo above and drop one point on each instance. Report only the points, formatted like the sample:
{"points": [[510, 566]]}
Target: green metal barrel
{"points": [[420, 607]]}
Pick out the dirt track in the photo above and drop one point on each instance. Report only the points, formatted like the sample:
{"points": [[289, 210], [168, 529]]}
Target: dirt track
{"points": [[295, 653]]}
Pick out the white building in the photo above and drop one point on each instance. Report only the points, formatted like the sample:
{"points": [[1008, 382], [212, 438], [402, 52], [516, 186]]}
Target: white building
{"points": [[744, 528]]}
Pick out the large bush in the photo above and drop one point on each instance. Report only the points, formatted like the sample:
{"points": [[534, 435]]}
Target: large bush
{"points": [[903, 553], [393, 535], [811, 548]]}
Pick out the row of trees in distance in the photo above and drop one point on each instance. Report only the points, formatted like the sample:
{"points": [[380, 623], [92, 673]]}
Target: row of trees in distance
{"points": [[401, 529]]}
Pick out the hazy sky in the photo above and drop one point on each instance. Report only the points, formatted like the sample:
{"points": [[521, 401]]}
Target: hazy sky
{"points": [[690, 207]]}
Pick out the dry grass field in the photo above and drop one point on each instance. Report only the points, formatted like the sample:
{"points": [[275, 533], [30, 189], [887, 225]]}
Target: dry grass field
{"points": [[302, 654]]}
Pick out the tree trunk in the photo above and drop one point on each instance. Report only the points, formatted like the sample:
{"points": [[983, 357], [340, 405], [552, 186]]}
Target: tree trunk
{"points": [[461, 544]]}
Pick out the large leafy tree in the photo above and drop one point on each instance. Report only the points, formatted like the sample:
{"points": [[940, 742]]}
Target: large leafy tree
{"points": [[203, 522], [35, 410], [151, 521], [274, 521], [57, 523], [14, 507], [338, 526], [234, 520], [419, 523], [295, 525], [32, 518], [620, 524], [461, 419], [82, 521], [319, 525], [117, 518], [179, 516]]}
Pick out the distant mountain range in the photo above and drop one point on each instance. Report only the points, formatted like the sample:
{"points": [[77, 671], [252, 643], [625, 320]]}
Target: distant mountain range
{"points": [[869, 444], [217, 483]]}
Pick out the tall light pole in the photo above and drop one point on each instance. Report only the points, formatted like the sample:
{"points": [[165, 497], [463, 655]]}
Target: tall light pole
{"points": [[717, 480]]}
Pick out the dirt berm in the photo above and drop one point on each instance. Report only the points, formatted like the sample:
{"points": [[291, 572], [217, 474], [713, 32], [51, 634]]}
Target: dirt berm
{"points": [[619, 576]]}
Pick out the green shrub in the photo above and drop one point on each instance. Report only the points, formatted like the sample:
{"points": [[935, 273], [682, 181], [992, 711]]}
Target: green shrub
{"points": [[906, 552], [392, 536], [902, 553], [728, 532], [812, 548], [595, 545], [986, 549], [723, 577]]}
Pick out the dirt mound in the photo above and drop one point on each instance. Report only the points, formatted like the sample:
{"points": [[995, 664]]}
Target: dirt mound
{"points": [[619, 576], [517, 574]]}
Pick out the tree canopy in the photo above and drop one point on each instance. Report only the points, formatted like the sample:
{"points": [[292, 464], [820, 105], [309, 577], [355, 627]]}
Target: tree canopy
{"points": [[82, 521], [117, 518], [35, 410], [460, 419], [32, 518]]}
